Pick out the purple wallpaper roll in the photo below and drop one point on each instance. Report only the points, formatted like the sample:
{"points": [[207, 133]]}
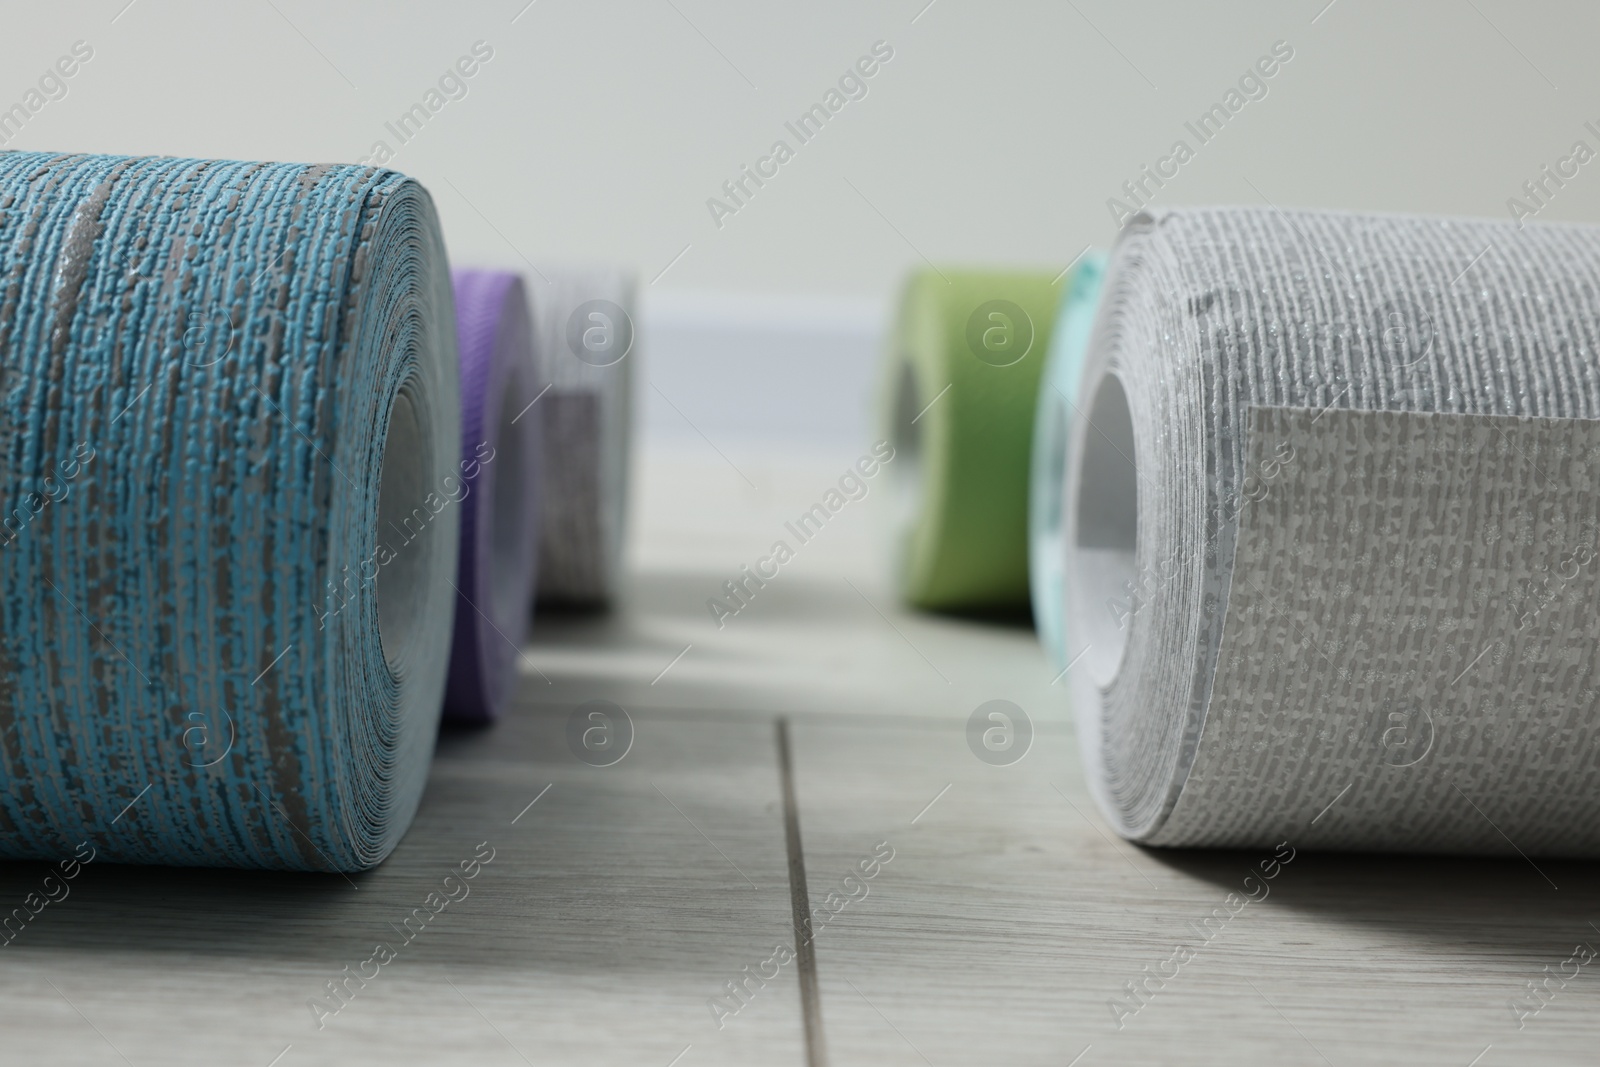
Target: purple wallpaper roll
{"points": [[501, 438]]}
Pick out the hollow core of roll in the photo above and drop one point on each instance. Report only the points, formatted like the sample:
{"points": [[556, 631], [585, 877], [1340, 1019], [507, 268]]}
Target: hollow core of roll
{"points": [[1107, 530], [907, 442], [1051, 481], [506, 531], [403, 518]]}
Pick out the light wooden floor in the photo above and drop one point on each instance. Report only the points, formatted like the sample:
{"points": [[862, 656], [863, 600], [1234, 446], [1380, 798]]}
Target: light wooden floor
{"points": [[621, 902]]}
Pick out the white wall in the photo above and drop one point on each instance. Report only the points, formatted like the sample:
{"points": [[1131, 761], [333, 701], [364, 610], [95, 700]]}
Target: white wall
{"points": [[760, 373], [995, 134]]}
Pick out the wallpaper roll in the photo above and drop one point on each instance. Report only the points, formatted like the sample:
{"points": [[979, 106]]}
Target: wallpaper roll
{"points": [[1334, 535], [501, 444], [586, 346], [1058, 405], [962, 371], [230, 393]]}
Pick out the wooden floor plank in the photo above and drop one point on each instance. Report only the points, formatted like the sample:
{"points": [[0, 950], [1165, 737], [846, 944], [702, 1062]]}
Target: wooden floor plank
{"points": [[1010, 920], [613, 910]]}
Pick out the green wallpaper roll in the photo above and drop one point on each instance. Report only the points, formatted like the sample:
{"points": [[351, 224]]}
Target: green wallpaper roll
{"points": [[963, 369]]}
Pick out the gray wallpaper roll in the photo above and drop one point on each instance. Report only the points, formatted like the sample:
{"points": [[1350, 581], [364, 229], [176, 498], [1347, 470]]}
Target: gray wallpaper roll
{"points": [[583, 321], [1334, 534]]}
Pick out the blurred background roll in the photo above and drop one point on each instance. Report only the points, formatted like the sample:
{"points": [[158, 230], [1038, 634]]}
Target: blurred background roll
{"points": [[230, 406], [1058, 406], [962, 376], [498, 486], [1332, 534], [586, 348]]}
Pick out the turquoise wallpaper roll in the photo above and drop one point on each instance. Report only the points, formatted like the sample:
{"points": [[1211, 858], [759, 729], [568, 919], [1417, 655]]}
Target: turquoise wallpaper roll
{"points": [[229, 411]]}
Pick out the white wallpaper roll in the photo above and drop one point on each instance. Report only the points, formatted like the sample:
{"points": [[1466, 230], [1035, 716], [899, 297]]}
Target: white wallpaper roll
{"points": [[1334, 534], [587, 346]]}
